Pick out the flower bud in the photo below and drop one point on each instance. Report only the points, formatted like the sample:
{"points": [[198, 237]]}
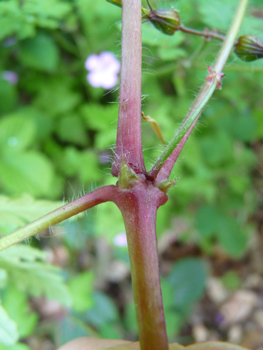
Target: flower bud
{"points": [[249, 48], [165, 20], [116, 2]]}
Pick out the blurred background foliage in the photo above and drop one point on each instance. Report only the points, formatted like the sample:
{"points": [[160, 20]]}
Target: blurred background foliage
{"points": [[57, 134]]}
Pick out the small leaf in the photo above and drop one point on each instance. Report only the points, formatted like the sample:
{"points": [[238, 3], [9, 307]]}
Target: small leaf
{"points": [[8, 329], [188, 278], [15, 303], [17, 133], [40, 53], [28, 271], [30, 172], [80, 288]]}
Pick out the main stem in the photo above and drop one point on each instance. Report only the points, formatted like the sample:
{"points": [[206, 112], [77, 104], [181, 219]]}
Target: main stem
{"points": [[128, 144], [139, 206]]}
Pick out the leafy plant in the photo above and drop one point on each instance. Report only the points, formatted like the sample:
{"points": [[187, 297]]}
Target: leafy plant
{"points": [[138, 193]]}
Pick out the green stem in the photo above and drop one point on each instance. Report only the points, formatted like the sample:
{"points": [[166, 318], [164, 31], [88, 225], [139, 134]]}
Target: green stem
{"points": [[207, 89], [100, 195], [206, 34]]}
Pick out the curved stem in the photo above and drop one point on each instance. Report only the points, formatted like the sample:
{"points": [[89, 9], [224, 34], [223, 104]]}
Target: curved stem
{"points": [[207, 89], [100, 195], [206, 34]]}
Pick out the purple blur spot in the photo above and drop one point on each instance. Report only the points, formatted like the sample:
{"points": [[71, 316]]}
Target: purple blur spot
{"points": [[103, 70], [10, 76], [120, 240], [219, 318]]}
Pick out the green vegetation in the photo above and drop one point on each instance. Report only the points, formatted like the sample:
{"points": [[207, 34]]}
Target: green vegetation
{"points": [[57, 134]]}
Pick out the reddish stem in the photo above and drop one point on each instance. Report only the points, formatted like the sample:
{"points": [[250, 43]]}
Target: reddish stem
{"points": [[165, 171], [128, 144], [139, 206]]}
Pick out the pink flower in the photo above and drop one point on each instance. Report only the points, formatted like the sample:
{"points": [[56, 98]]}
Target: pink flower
{"points": [[103, 70], [10, 76]]}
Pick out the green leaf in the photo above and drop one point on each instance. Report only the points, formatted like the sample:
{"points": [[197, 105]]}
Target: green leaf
{"points": [[8, 94], [28, 272], [99, 117], [40, 53], [89, 170], [217, 149], [18, 346], [14, 21], [188, 278], [47, 13], [71, 129], [103, 310], [29, 172], [15, 303], [17, 132], [231, 237], [3, 278], [8, 328], [69, 328], [57, 96], [207, 219], [81, 287]]}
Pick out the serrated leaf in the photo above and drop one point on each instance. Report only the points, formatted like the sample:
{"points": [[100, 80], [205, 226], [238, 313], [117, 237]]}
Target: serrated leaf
{"points": [[8, 328], [28, 272], [14, 21], [17, 212], [40, 53], [29, 172]]}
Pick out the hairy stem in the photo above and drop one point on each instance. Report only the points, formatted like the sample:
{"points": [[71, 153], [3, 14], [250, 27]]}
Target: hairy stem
{"points": [[206, 91], [139, 206], [100, 195], [128, 144]]}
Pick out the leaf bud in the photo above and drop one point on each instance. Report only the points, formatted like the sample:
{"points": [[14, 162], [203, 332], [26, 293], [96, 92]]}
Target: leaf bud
{"points": [[249, 48], [165, 20]]}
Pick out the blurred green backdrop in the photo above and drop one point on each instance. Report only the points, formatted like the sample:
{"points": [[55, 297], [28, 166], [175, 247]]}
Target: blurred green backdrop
{"points": [[57, 135]]}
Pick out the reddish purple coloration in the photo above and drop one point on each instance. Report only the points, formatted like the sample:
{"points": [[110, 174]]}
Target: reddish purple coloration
{"points": [[128, 144], [139, 206]]}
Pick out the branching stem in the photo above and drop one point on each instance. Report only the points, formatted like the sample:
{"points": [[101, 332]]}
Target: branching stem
{"points": [[206, 91], [100, 195]]}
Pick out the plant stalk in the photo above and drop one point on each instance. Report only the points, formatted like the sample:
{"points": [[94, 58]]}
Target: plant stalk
{"points": [[139, 206], [207, 34], [100, 195], [129, 144], [207, 90]]}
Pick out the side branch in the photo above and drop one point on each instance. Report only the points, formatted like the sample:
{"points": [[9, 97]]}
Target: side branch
{"points": [[100, 195], [206, 91]]}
